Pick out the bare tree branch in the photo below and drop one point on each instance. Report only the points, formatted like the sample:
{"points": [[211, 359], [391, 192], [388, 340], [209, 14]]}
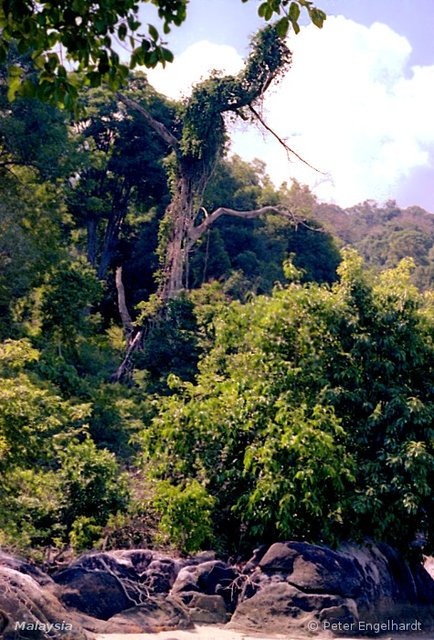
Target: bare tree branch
{"points": [[195, 233], [132, 346], [156, 125], [281, 141], [127, 323]]}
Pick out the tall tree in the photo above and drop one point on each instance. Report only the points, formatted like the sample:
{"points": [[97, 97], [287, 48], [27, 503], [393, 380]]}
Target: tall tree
{"points": [[197, 139], [123, 166]]}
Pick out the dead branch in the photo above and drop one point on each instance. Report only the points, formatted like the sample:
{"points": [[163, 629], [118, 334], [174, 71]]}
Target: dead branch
{"points": [[289, 152], [156, 125], [127, 323], [195, 233], [124, 368]]}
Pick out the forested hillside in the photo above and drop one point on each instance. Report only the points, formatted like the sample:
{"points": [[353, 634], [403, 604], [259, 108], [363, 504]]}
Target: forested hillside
{"points": [[286, 390]]}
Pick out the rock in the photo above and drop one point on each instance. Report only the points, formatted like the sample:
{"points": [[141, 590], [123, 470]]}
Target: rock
{"points": [[160, 575], [428, 565], [97, 593], [186, 580], [211, 578], [424, 581], [279, 557], [205, 577], [282, 608], [26, 567], [258, 554], [157, 613], [320, 570], [204, 609], [298, 583], [140, 571], [29, 611], [95, 625]]}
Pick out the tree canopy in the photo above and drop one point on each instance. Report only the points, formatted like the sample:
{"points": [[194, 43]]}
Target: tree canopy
{"points": [[86, 35], [287, 391]]}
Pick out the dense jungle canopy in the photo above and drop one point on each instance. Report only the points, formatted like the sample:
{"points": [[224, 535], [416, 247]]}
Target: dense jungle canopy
{"points": [[282, 384]]}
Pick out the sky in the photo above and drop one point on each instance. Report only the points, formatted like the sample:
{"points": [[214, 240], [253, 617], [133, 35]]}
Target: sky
{"points": [[357, 102]]}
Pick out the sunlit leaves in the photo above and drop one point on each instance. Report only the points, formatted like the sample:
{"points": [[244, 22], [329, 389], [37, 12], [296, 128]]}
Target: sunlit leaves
{"points": [[312, 413], [292, 14]]}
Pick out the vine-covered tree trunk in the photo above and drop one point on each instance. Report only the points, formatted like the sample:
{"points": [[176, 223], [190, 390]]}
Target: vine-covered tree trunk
{"points": [[178, 218], [197, 144]]}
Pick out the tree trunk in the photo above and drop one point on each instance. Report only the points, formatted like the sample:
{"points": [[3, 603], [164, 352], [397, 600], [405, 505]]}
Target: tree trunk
{"points": [[113, 229], [127, 323], [179, 216], [91, 241]]}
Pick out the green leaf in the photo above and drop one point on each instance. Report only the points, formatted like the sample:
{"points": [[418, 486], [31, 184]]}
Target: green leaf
{"points": [[167, 55], [261, 9], [94, 78], [294, 12], [318, 17], [122, 31], [14, 82], [153, 32], [282, 27]]}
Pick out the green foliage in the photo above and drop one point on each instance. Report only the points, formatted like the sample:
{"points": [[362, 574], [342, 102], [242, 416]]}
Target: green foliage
{"points": [[50, 476], [311, 415], [203, 131], [91, 483], [384, 235], [72, 289], [171, 346], [84, 533], [185, 514], [248, 254], [86, 31], [31, 414]]}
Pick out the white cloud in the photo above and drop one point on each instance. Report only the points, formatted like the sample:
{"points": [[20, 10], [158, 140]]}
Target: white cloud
{"points": [[349, 105], [193, 65]]}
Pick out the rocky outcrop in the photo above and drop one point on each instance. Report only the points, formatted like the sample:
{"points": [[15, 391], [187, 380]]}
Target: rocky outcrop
{"points": [[29, 610], [299, 586], [288, 587]]}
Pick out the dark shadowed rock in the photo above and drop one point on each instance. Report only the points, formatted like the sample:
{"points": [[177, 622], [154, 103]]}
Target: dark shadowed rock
{"points": [[210, 578], [97, 593], [320, 570], [205, 577], [140, 572], [294, 583], [258, 554], [186, 580], [279, 557]]}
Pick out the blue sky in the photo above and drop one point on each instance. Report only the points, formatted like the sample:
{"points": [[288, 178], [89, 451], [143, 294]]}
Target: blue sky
{"points": [[358, 101]]}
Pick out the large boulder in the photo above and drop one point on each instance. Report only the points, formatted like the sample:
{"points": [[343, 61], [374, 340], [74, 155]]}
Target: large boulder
{"points": [[282, 608], [314, 569], [298, 586], [97, 593], [27, 610], [140, 572], [25, 566]]}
